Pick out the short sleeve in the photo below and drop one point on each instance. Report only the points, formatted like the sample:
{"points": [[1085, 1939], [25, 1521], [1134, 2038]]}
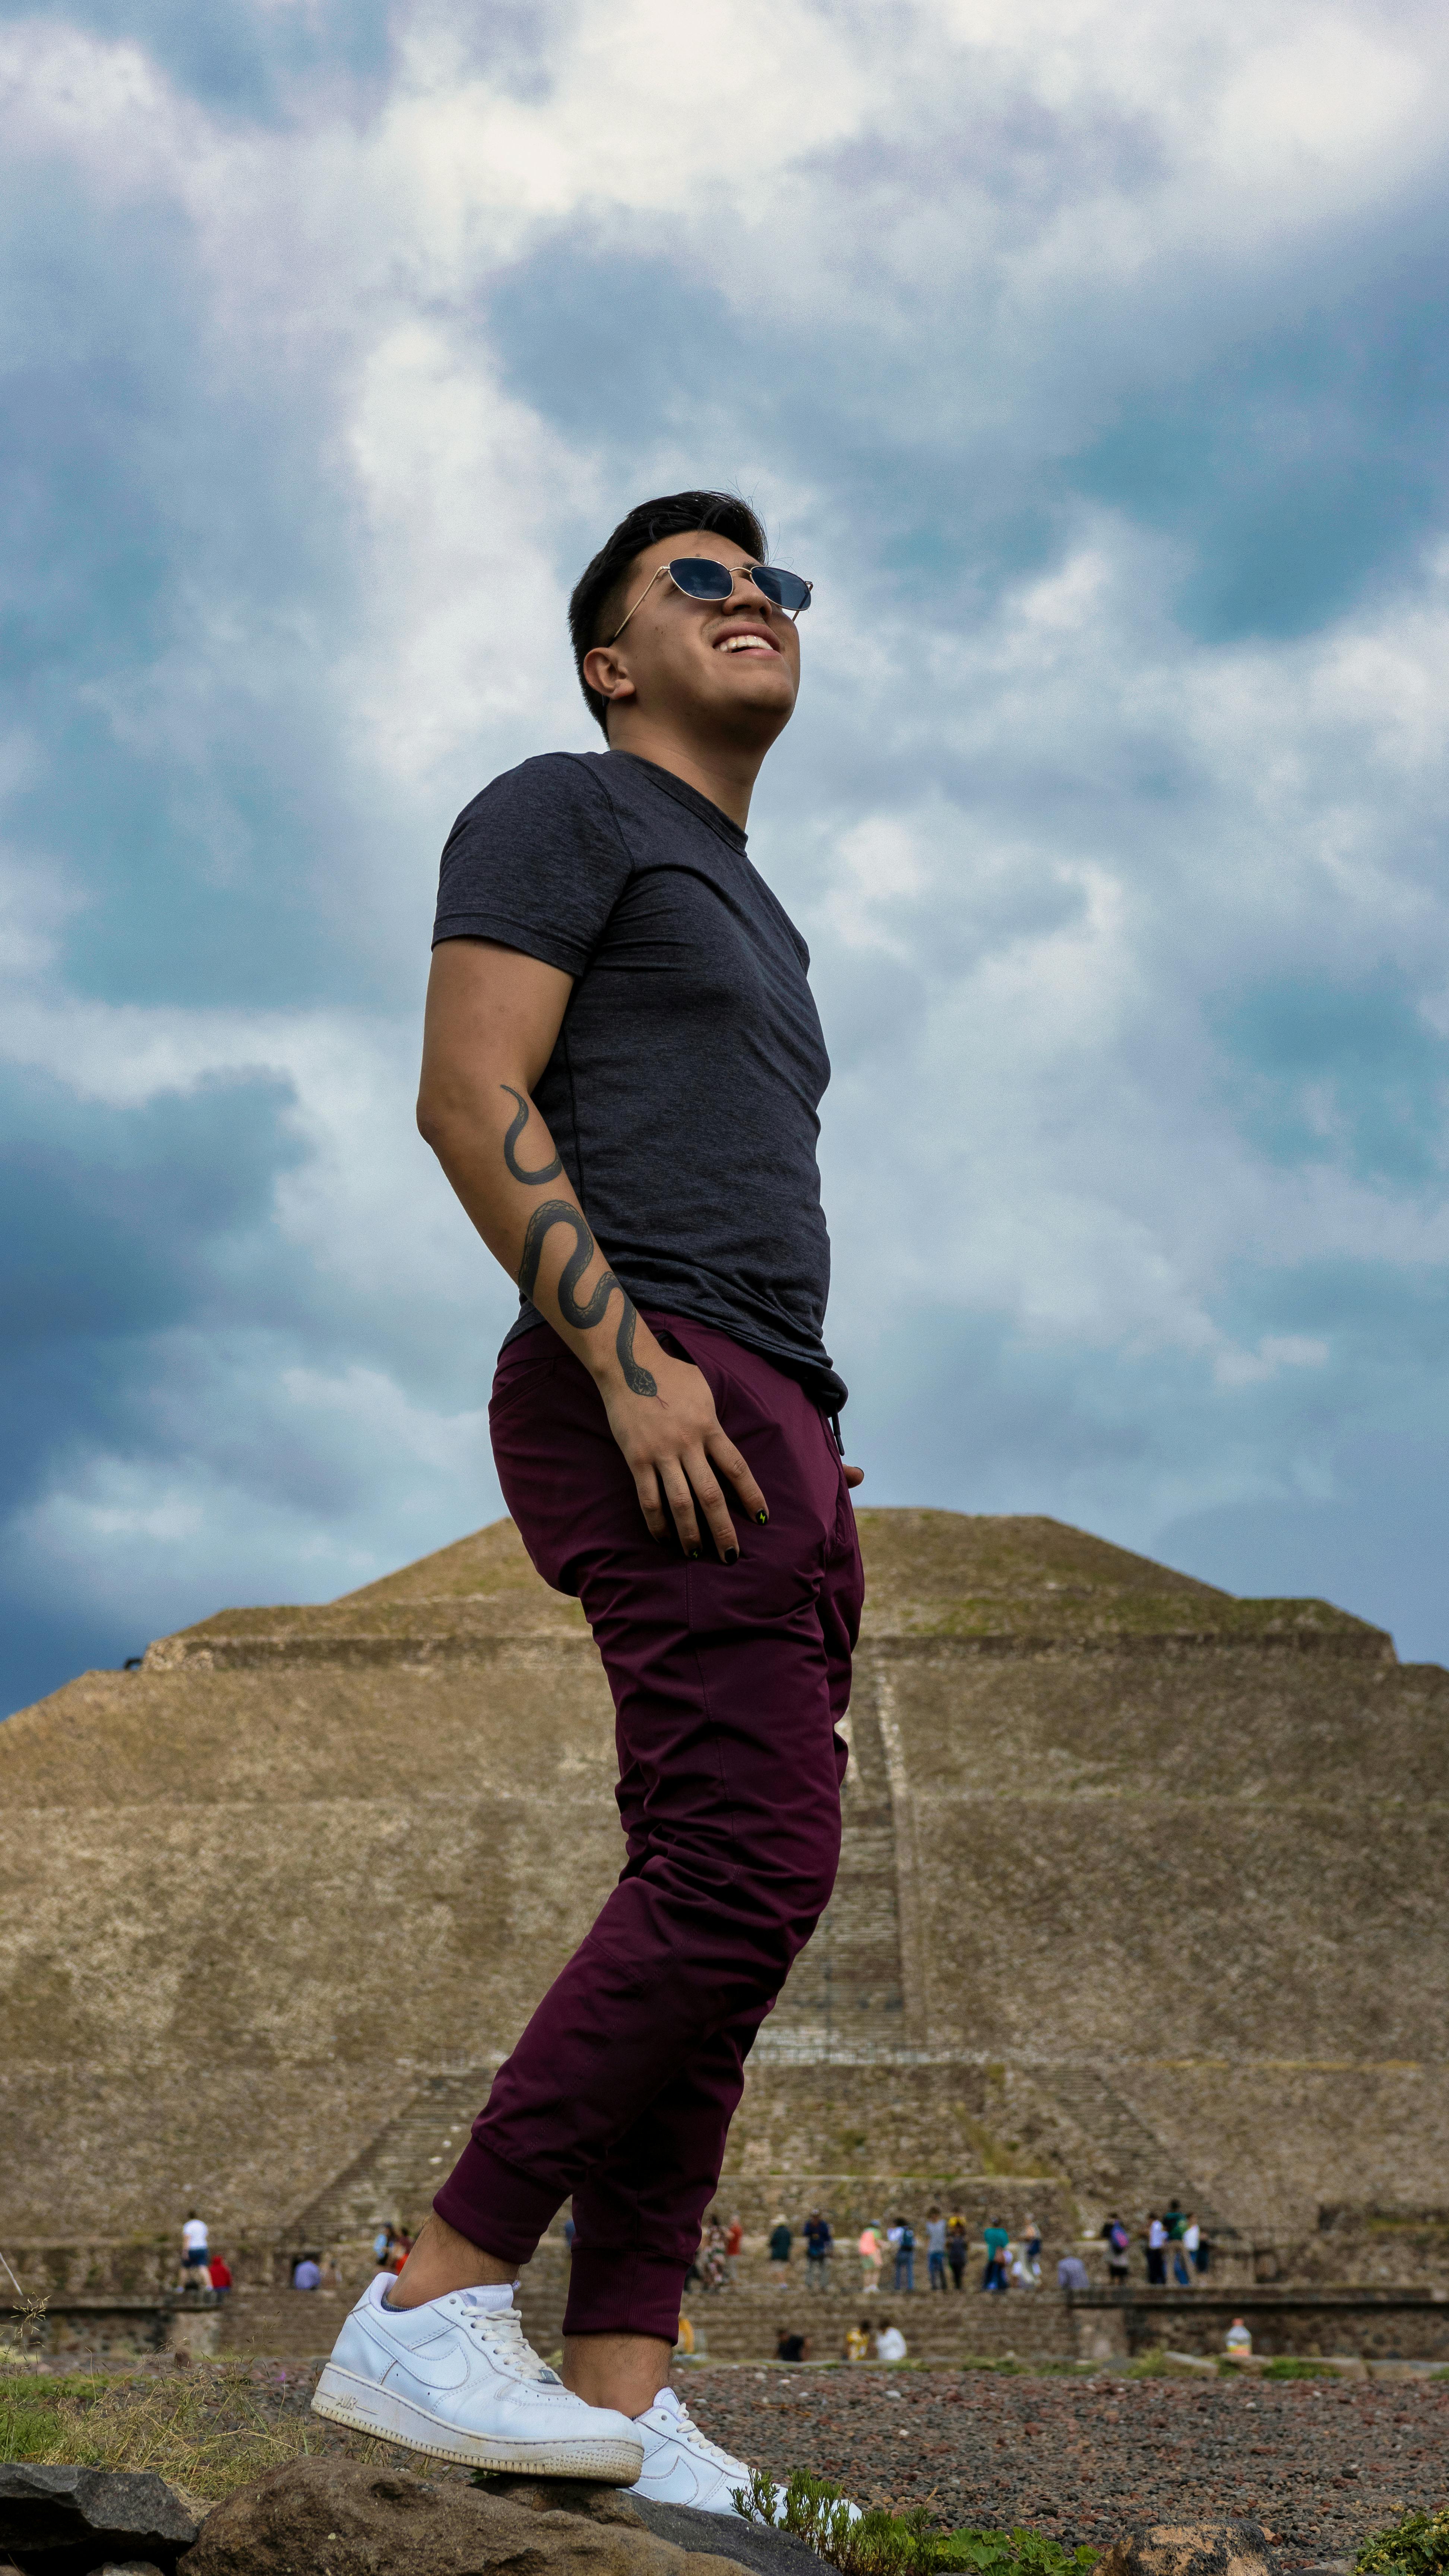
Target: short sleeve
{"points": [[536, 862]]}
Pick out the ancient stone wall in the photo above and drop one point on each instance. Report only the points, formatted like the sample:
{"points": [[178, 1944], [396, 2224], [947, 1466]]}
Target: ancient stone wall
{"points": [[1139, 1892]]}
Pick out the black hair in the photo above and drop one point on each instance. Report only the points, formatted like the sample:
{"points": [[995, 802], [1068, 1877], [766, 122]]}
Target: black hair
{"points": [[679, 514]]}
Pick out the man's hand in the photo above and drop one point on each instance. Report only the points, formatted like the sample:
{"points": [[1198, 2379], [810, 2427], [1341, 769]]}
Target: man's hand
{"points": [[674, 1445]]}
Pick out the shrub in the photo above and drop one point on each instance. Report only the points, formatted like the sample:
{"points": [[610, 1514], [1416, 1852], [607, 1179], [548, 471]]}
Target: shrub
{"points": [[899, 2544], [1288, 2367], [1416, 2545]]}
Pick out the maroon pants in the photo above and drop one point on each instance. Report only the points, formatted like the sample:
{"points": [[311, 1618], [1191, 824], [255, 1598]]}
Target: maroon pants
{"points": [[727, 1682]]}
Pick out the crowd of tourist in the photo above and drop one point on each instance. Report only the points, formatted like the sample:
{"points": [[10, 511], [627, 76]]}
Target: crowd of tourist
{"points": [[1173, 2244], [1175, 2247]]}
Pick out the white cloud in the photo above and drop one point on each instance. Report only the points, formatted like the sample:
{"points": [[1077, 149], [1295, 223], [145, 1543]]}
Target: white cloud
{"points": [[1036, 835]]}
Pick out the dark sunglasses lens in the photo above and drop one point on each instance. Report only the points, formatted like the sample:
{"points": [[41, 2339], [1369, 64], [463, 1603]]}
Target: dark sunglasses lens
{"points": [[786, 589], [699, 577]]}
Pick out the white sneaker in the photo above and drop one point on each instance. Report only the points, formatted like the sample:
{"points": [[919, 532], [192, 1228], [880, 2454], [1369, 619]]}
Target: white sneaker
{"points": [[456, 2379], [681, 2467]]}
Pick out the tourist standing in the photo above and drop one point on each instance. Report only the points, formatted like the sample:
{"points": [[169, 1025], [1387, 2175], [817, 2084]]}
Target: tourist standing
{"points": [[1119, 2248], [935, 2249], [195, 2271], [1175, 2222], [869, 2249], [903, 2240], [734, 2239], [714, 2271], [1156, 2252], [818, 2241], [996, 2240], [1031, 2248], [958, 2246], [781, 2240]]}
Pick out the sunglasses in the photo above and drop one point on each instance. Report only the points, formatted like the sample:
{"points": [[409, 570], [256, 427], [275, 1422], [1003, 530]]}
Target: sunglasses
{"points": [[700, 577]]}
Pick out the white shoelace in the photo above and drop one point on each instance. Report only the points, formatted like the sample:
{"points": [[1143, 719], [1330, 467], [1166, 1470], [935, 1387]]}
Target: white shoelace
{"points": [[503, 2329], [688, 2431]]}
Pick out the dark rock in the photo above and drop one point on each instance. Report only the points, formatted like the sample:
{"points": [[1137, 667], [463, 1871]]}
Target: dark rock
{"points": [[69, 2521], [336, 2517], [750, 2544], [1186, 2549]]}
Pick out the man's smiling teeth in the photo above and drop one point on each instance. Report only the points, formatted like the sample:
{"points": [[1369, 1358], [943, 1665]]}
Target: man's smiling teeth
{"points": [[745, 644]]}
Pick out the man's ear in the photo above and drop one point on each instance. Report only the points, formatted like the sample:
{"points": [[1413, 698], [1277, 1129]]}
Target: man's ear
{"points": [[607, 671]]}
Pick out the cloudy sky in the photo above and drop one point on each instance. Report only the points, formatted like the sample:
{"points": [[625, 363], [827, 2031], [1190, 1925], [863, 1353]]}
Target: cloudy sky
{"points": [[1091, 356]]}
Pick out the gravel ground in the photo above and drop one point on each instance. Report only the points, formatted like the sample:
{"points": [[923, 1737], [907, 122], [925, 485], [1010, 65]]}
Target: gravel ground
{"points": [[1319, 2464]]}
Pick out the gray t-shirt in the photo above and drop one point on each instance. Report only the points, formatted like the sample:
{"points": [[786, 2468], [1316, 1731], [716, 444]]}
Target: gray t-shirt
{"points": [[684, 1088]]}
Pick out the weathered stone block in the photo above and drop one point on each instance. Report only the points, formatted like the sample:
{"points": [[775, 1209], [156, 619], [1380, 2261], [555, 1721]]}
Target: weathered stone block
{"points": [[332, 2517], [68, 2520], [1186, 2549]]}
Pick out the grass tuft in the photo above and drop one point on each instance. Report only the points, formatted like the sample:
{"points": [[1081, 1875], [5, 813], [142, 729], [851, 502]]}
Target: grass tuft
{"points": [[203, 2430], [878, 2543]]}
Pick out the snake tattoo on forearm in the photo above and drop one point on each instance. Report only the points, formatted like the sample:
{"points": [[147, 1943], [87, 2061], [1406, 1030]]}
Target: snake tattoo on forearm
{"points": [[639, 1380], [546, 1171]]}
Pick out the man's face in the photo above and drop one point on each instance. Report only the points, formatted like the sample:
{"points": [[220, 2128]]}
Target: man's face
{"points": [[728, 667]]}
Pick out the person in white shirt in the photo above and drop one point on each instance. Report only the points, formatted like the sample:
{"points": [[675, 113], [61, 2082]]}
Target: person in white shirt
{"points": [[1191, 2240], [195, 2269], [890, 2343], [1156, 2252]]}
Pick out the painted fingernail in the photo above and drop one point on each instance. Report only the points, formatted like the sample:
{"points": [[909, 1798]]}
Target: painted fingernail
{"points": [[694, 1552], [762, 1517], [732, 1556]]}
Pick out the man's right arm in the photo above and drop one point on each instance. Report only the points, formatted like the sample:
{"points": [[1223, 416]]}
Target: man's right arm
{"points": [[493, 1017]]}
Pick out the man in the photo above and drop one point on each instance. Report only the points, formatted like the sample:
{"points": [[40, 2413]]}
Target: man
{"points": [[958, 2243], [1072, 2273], [996, 2240], [818, 2241], [935, 2248], [195, 2270], [622, 1071], [902, 2239], [1119, 2245], [1156, 2251]]}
